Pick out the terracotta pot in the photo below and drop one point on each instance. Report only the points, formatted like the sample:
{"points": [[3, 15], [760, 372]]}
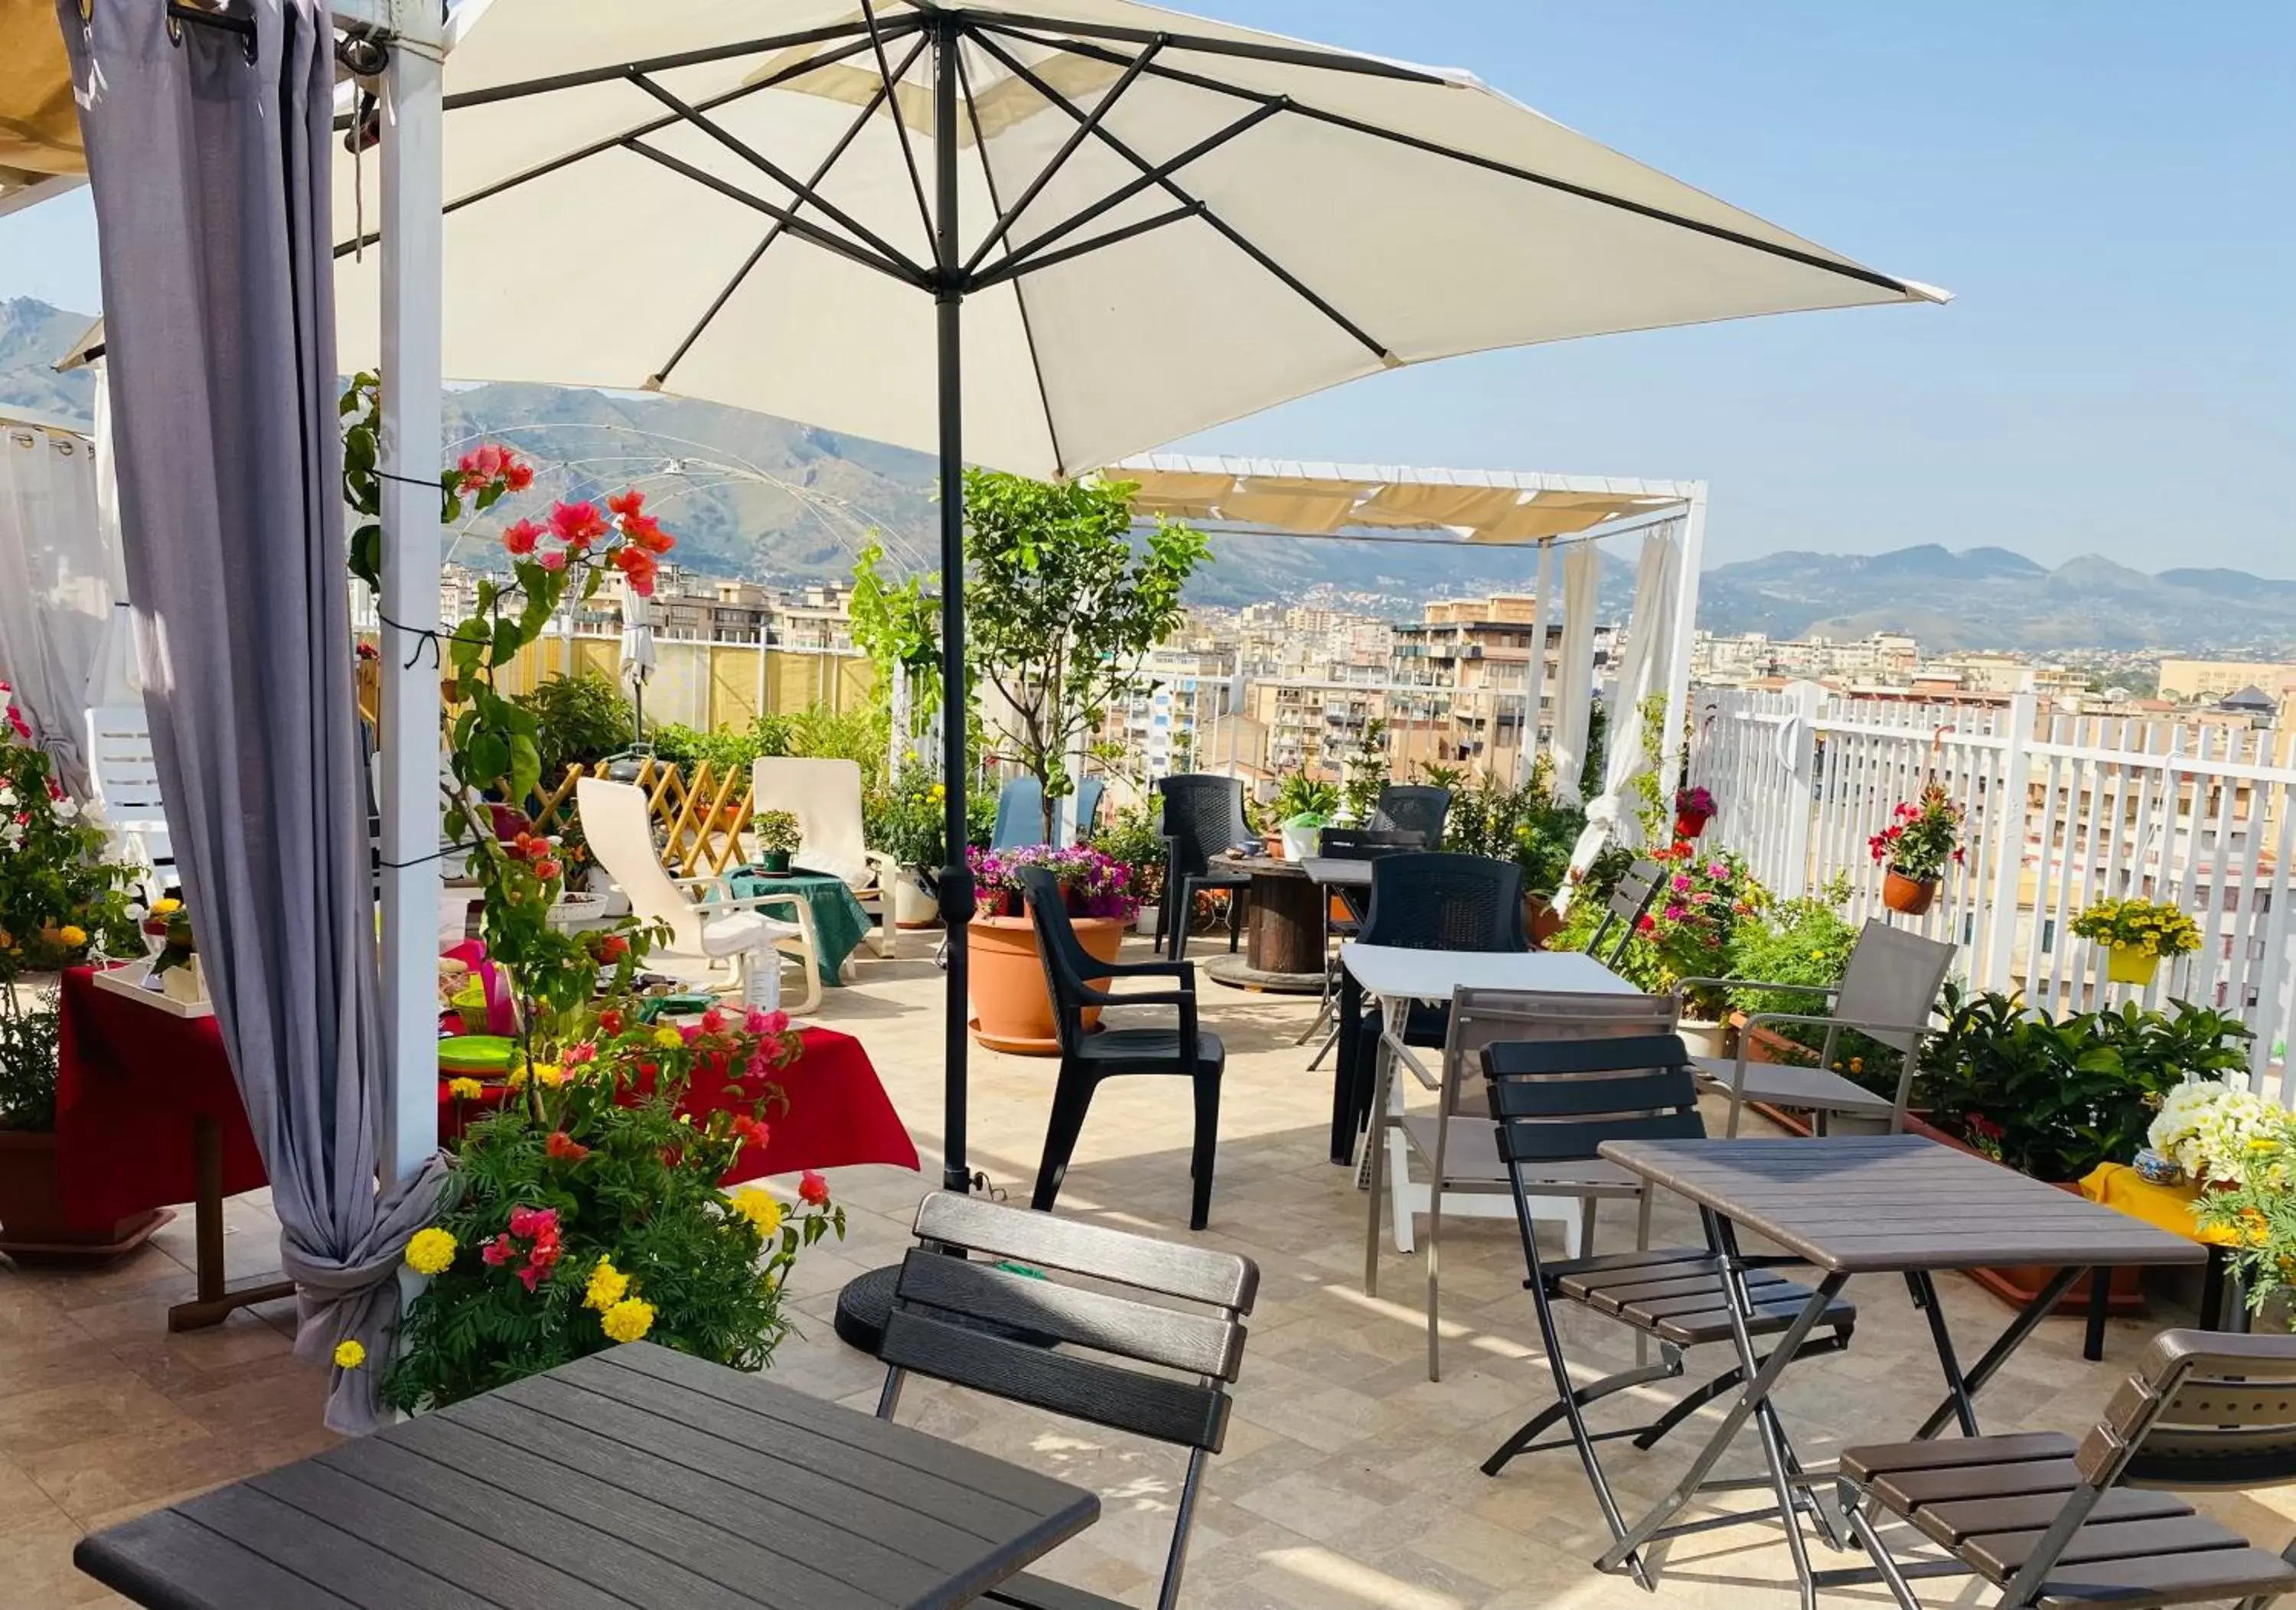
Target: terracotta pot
{"points": [[1688, 827], [1272, 842], [913, 908], [1012, 1004], [1909, 895], [2130, 964], [33, 1227], [1540, 921]]}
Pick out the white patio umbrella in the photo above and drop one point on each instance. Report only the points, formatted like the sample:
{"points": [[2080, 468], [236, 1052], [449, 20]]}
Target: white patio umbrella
{"points": [[637, 659], [1074, 231]]}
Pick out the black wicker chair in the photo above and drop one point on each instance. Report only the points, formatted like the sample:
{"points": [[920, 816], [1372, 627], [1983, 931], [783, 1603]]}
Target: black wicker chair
{"points": [[1414, 808], [1073, 974], [1203, 816]]}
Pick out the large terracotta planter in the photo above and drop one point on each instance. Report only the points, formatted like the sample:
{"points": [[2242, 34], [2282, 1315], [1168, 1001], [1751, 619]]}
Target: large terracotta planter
{"points": [[1540, 921], [1911, 896], [1012, 1004], [33, 1228]]}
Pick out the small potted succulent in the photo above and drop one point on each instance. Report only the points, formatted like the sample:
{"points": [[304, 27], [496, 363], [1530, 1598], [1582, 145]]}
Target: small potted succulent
{"points": [[1923, 835], [777, 839], [2135, 934], [1693, 808]]}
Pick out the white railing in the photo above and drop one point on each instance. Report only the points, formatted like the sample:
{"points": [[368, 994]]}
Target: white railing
{"points": [[2060, 811]]}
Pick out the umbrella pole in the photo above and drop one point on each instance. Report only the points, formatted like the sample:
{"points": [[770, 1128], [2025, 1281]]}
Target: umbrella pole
{"points": [[956, 897]]}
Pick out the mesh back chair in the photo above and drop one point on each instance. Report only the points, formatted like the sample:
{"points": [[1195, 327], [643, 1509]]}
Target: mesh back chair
{"points": [[2055, 1522], [1203, 816], [1428, 901], [1638, 887], [1418, 808], [1180, 1310], [1885, 994], [1073, 974], [1555, 1103], [1460, 1151]]}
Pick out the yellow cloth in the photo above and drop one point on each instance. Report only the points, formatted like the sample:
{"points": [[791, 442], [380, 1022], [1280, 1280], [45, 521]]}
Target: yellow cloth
{"points": [[2169, 1207]]}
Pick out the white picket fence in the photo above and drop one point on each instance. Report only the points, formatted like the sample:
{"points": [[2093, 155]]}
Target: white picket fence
{"points": [[2062, 810]]}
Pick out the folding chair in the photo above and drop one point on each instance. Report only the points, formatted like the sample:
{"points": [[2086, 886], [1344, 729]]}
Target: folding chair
{"points": [[980, 1326], [2057, 1523], [1460, 1152], [1555, 1102], [1885, 993], [1636, 888]]}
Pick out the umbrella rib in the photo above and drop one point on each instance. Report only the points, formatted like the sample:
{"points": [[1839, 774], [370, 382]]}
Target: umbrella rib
{"points": [[1014, 256], [1291, 281], [796, 226], [662, 64], [1019, 302], [1293, 55], [614, 141], [1009, 270], [901, 130], [1008, 217], [800, 193], [1852, 270], [820, 172]]}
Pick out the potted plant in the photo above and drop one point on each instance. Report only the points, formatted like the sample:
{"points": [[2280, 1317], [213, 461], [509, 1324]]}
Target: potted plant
{"points": [[1693, 808], [2135, 934], [2213, 1130], [1305, 807], [1702, 900], [1806, 940], [1012, 1002], [1131, 837], [1923, 835], [777, 839], [61, 903], [2247, 1190]]}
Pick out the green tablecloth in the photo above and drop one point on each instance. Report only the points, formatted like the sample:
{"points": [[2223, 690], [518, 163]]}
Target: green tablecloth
{"points": [[840, 922]]}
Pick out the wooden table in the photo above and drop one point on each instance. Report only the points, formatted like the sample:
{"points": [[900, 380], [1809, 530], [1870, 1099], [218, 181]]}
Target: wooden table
{"points": [[637, 1476], [1283, 949], [1866, 1205], [1394, 973]]}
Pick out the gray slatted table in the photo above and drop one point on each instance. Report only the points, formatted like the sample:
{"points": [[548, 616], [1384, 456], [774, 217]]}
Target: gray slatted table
{"points": [[1869, 1205], [638, 1477]]}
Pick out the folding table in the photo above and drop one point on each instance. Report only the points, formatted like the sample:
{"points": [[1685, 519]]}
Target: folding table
{"points": [[1868, 1205]]}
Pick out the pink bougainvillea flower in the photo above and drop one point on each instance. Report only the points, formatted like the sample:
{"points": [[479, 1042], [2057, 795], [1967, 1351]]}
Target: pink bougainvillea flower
{"points": [[482, 464], [628, 501], [533, 1221], [521, 537], [713, 1021], [498, 1251], [812, 1188], [577, 525], [518, 475], [647, 533], [639, 567], [1682, 883], [553, 558], [1675, 912], [775, 1021], [576, 1054]]}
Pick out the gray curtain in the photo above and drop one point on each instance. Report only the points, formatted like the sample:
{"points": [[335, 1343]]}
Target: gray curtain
{"points": [[209, 175]]}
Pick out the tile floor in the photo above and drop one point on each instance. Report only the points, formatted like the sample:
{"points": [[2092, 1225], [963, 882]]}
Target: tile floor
{"points": [[1349, 1480]]}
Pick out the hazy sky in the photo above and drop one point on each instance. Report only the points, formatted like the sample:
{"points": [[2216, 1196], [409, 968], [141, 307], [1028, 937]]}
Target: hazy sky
{"points": [[2109, 186]]}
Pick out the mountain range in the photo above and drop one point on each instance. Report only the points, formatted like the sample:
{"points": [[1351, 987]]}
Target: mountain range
{"points": [[753, 496]]}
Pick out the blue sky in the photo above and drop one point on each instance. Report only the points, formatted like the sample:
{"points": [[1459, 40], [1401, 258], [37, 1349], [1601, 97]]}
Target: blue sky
{"points": [[2106, 186]]}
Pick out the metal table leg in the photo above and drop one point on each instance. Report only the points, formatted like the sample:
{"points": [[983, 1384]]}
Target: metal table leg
{"points": [[1956, 1387], [1996, 1356]]}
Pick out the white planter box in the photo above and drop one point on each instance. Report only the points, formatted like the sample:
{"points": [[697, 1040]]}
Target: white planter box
{"points": [[1145, 922]]}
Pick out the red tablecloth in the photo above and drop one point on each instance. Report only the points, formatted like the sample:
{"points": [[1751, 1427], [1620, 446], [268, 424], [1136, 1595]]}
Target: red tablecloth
{"points": [[133, 1078]]}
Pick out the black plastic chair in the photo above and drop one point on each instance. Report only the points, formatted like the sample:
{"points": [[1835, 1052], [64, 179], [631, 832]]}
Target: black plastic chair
{"points": [[1203, 816], [1087, 1059], [1415, 807], [1555, 1101], [1425, 901], [961, 1319]]}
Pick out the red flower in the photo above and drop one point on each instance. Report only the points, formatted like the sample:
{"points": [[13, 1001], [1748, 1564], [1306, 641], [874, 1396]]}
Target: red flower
{"points": [[751, 1131], [644, 531], [548, 870], [553, 558], [482, 464], [812, 1188], [498, 1251], [613, 947], [1645, 923], [713, 1021], [577, 524], [521, 538], [564, 1146], [639, 567], [627, 503], [534, 1221], [517, 476], [610, 1021]]}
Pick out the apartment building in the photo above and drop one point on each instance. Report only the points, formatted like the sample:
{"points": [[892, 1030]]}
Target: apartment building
{"points": [[1459, 680]]}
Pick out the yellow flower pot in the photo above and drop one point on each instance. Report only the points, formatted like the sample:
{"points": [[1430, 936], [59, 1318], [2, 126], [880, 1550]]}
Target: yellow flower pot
{"points": [[2130, 964]]}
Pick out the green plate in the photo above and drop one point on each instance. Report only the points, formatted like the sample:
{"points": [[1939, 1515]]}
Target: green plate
{"points": [[475, 1054]]}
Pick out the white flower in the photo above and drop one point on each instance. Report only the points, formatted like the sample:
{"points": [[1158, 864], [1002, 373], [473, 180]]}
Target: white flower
{"points": [[2208, 1125], [7, 796], [65, 810]]}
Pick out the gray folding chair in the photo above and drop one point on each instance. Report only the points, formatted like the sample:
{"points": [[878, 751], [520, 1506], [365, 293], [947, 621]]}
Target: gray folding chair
{"points": [[2052, 1523], [982, 1326], [1459, 1146], [1624, 908], [1886, 994]]}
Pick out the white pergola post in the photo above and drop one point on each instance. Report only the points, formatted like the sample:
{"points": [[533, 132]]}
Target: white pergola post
{"points": [[1686, 624], [1526, 756], [412, 113]]}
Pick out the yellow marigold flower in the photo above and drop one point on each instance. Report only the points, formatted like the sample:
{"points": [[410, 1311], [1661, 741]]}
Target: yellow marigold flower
{"points": [[430, 1251], [760, 1208], [1856, 1065], [165, 908], [349, 1355], [608, 1286], [466, 1090], [72, 935], [516, 1077], [627, 1319], [549, 1074], [668, 1038]]}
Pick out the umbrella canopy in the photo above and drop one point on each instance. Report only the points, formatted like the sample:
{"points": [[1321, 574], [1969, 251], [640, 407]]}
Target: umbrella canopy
{"points": [[1163, 223], [1075, 231]]}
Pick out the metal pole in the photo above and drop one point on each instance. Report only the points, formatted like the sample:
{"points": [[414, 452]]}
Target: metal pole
{"points": [[1534, 674], [956, 900]]}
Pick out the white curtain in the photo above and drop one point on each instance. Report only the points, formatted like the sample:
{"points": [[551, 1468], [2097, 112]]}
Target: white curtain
{"points": [[56, 585], [1574, 676], [1641, 671]]}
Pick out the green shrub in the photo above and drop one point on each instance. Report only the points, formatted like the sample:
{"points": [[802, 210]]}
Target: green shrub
{"points": [[28, 1061], [1805, 941], [579, 721], [1131, 837]]}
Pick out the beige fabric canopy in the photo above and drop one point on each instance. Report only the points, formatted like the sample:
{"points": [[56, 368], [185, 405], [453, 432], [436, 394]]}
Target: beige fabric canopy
{"points": [[39, 129], [1318, 499]]}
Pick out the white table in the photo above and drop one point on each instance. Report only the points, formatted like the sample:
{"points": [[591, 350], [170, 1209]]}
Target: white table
{"points": [[1393, 973]]}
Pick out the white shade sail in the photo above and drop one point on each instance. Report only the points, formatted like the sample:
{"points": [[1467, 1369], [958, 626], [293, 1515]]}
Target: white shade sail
{"points": [[1163, 223]]}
